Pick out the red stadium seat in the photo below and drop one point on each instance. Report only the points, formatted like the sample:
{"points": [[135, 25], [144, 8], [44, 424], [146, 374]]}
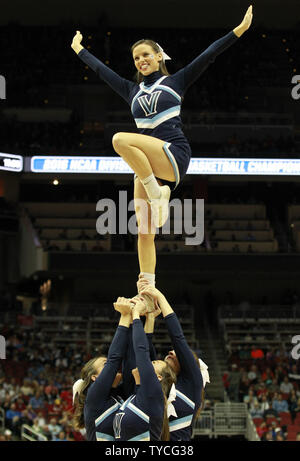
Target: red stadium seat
{"points": [[291, 437], [292, 432], [270, 419], [258, 421], [285, 418], [297, 419], [294, 427]]}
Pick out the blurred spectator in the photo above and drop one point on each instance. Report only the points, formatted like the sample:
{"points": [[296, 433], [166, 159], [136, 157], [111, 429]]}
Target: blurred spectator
{"points": [[265, 406], [279, 405], [61, 437], [12, 418], [267, 436], [234, 383], [262, 429], [244, 386], [37, 401], [54, 428], [261, 389], [250, 399], [267, 375], [256, 410], [51, 389], [26, 388], [253, 374], [286, 387]]}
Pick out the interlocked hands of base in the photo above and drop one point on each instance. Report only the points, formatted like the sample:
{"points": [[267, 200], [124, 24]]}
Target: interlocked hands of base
{"points": [[145, 302]]}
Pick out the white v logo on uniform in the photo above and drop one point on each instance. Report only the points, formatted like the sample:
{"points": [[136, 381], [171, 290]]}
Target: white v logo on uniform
{"points": [[117, 424], [149, 103]]}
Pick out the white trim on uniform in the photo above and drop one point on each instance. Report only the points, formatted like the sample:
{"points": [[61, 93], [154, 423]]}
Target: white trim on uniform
{"points": [[158, 119], [108, 412], [136, 96], [124, 404], [151, 88], [171, 91], [144, 437], [101, 437], [180, 423], [185, 399], [173, 162], [138, 412]]}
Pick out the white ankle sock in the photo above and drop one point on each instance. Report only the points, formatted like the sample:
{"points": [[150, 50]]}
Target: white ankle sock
{"points": [[149, 277], [151, 187]]}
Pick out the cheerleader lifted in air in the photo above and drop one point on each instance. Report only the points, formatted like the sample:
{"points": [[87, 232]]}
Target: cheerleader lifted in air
{"points": [[159, 154]]}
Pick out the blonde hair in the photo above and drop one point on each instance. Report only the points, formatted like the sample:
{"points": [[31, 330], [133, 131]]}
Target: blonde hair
{"points": [[168, 379], [86, 374], [162, 66], [202, 391]]}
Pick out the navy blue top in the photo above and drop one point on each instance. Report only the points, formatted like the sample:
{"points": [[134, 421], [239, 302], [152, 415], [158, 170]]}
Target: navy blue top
{"points": [[140, 418], [189, 383], [128, 387], [156, 102], [128, 364], [101, 404]]}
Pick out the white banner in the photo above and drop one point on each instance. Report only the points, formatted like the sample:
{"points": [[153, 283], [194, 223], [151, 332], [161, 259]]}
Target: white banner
{"points": [[202, 166], [11, 162]]}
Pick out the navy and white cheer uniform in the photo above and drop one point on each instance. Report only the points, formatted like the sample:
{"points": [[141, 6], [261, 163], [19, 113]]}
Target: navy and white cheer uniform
{"points": [[156, 102], [102, 402], [189, 384], [128, 387], [140, 418]]}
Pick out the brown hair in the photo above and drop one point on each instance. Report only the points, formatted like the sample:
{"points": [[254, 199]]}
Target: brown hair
{"points": [[86, 374], [202, 391], [162, 66], [168, 379]]}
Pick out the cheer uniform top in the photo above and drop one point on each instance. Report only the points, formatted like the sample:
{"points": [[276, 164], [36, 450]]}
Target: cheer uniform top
{"points": [[102, 402], [140, 418], [156, 102], [188, 386], [189, 383]]}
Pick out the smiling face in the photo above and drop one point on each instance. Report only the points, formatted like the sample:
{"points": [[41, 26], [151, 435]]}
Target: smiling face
{"points": [[173, 361], [145, 58]]}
